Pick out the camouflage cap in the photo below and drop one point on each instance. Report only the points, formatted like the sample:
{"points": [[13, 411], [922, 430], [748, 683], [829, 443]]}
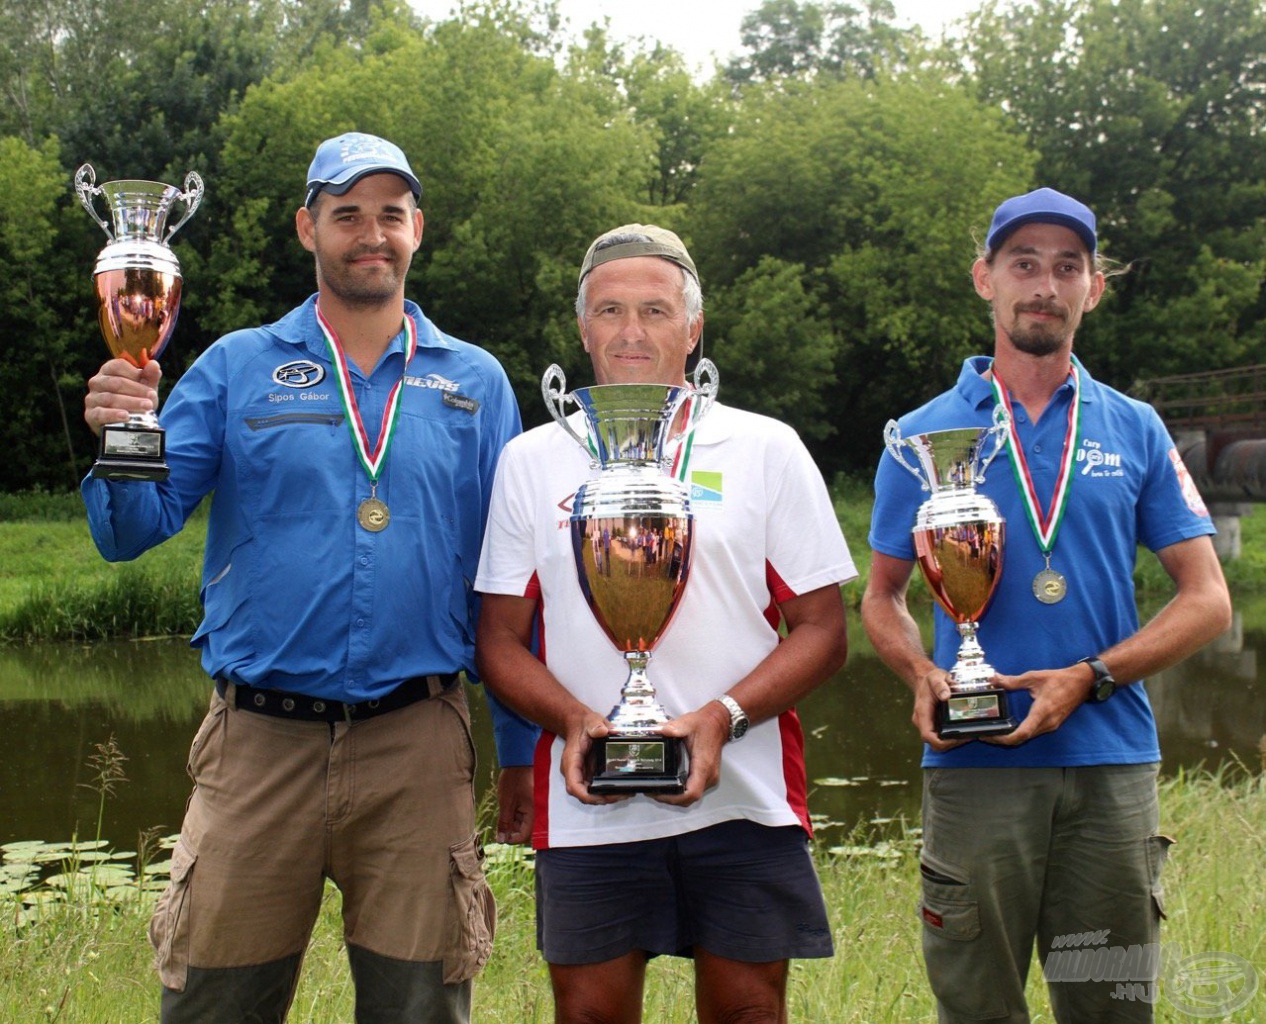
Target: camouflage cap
{"points": [[663, 243]]}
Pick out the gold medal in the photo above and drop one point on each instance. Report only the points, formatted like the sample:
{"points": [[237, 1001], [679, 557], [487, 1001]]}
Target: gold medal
{"points": [[1049, 586], [373, 515]]}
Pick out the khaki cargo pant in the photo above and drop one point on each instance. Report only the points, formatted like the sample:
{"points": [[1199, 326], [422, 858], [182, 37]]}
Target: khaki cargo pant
{"points": [[1067, 858], [383, 807]]}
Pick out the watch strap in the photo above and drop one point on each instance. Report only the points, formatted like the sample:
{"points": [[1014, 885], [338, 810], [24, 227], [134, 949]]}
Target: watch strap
{"points": [[739, 721]]}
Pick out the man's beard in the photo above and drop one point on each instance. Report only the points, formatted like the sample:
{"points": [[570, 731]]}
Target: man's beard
{"points": [[1039, 339], [358, 290]]}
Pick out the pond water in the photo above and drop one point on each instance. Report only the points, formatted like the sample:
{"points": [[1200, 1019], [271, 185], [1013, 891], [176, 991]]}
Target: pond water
{"points": [[60, 701]]}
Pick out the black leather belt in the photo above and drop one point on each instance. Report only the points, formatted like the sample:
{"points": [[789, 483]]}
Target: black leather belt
{"points": [[302, 708]]}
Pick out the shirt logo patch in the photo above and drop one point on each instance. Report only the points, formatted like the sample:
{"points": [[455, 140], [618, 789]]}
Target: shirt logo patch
{"points": [[1093, 461], [434, 381], [302, 373], [1189, 492], [463, 402], [705, 487]]}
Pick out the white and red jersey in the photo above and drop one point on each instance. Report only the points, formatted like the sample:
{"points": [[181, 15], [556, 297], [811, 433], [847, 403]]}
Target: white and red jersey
{"points": [[765, 531]]}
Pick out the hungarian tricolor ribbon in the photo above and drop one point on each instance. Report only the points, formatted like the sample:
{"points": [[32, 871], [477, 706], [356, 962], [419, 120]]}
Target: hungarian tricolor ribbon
{"points": [[372, 459], [1046, 523]]}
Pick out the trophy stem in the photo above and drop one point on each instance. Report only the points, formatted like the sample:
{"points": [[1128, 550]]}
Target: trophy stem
{"points": [[639, 712], [970, 671]]}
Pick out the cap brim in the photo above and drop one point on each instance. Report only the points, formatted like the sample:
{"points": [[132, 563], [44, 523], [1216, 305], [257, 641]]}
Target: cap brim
{"points": [[338, 188]]}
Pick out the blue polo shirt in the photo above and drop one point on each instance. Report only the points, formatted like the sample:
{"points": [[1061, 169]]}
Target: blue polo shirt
{"points": [[1127, 489], [296, 595]]}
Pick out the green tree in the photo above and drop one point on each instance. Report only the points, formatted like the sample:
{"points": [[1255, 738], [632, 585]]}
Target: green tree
{"points": [[776, 347], [801, 38], [45, 312]]}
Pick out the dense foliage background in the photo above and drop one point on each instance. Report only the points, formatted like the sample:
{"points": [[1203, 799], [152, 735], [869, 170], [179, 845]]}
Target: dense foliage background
{"points": [[830, 180]]}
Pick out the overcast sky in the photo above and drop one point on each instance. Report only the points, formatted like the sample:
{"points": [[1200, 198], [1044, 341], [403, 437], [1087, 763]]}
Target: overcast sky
{"points": [[701, 28]]}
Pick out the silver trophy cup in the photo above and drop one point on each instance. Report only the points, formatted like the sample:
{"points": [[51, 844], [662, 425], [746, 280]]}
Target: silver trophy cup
{"points": [[632, 533], [137, 282], [958, 540]]}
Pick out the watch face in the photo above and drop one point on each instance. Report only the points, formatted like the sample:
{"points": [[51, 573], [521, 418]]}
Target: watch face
{"points": [[739, 729]]}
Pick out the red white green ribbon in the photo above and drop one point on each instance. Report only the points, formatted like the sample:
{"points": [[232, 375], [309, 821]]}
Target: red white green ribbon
{"points": [[1045, 524], [681, 461], [372, 459]]}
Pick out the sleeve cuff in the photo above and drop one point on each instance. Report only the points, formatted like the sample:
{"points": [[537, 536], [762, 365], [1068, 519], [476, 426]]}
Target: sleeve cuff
{"points": [[514, 735]]}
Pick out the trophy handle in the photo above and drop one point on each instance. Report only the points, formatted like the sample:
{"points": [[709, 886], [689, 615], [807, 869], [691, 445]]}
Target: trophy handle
{"points": [[1001, 425], [85, 188], [553, 390], [707, 384], [892, 441], [191, 197]]}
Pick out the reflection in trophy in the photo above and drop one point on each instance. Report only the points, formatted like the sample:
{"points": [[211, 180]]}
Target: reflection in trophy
{"points": [[958, 539], [631, 531], [137, 281]]}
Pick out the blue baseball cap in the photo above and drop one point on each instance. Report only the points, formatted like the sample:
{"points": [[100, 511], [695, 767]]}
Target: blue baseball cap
{"points": [[341, 162], [1041, 206]]}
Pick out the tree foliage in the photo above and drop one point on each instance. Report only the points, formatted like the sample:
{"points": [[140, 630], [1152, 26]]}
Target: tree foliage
{"points": [[801, 39], [830, 181]]}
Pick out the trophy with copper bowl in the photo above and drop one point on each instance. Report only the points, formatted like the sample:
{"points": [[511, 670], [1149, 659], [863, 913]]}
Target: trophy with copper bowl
{"points": [[632, 532], [958, 540], [137, 283]]}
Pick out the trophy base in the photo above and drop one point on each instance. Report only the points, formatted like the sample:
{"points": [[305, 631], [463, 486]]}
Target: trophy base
{"points": [[620, 765], [129, 452], [974, 714]]}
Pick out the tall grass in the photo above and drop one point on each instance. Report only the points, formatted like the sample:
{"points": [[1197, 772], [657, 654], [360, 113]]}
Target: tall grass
{"points": [[90, 965], [54, 585]]}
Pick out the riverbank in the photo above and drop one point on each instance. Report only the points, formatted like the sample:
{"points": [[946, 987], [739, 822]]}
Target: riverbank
{"points": [[55, 587], [87, 962]]}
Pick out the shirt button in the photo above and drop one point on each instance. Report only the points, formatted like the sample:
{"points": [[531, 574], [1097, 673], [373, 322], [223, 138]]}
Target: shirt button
{"points": [[360, 623], [1037, 448], [364, 559]]}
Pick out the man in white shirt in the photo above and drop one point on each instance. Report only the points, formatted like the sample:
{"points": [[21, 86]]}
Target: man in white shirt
{"points": [[722, 871]]}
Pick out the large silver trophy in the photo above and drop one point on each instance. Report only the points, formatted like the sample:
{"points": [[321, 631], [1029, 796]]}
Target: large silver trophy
{"points": [[137, 281], [958, 539], [632, 533]]}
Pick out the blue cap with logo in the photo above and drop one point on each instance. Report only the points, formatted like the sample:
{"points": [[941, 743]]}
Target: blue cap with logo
{"points": [[1041, 206], [341, 162]]}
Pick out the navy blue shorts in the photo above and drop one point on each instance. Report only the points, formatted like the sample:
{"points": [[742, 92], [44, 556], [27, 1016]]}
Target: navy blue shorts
{"points": [[739, 890]]}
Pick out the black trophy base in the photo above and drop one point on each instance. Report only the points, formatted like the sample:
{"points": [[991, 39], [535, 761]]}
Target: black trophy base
{"points": [[128, 452], [970, 716], [619, 765]]}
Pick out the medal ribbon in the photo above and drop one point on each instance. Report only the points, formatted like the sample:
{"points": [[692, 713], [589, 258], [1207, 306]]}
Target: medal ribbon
{"points": [[1045, 524], [681, 461], [374, 460]]}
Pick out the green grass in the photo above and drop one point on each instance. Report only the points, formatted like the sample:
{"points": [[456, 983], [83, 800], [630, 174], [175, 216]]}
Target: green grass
{"points": [[54, 585], [85, 962]]}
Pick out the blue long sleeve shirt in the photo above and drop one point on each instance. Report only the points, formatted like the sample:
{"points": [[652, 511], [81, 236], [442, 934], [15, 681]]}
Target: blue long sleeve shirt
{"points": [[296, 595]]}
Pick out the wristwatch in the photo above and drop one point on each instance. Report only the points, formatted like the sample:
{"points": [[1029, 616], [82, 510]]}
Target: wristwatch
{"points": [[1103, 686], [739, 722]]}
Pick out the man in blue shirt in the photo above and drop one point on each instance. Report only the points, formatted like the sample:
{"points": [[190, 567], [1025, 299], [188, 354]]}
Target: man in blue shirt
{"points": [[351, 448], [1050, 833]]}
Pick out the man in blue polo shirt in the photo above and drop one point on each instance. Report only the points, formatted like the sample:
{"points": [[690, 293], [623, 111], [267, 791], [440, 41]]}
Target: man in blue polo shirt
{"points": [[1051, 831], [351, 447]]}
